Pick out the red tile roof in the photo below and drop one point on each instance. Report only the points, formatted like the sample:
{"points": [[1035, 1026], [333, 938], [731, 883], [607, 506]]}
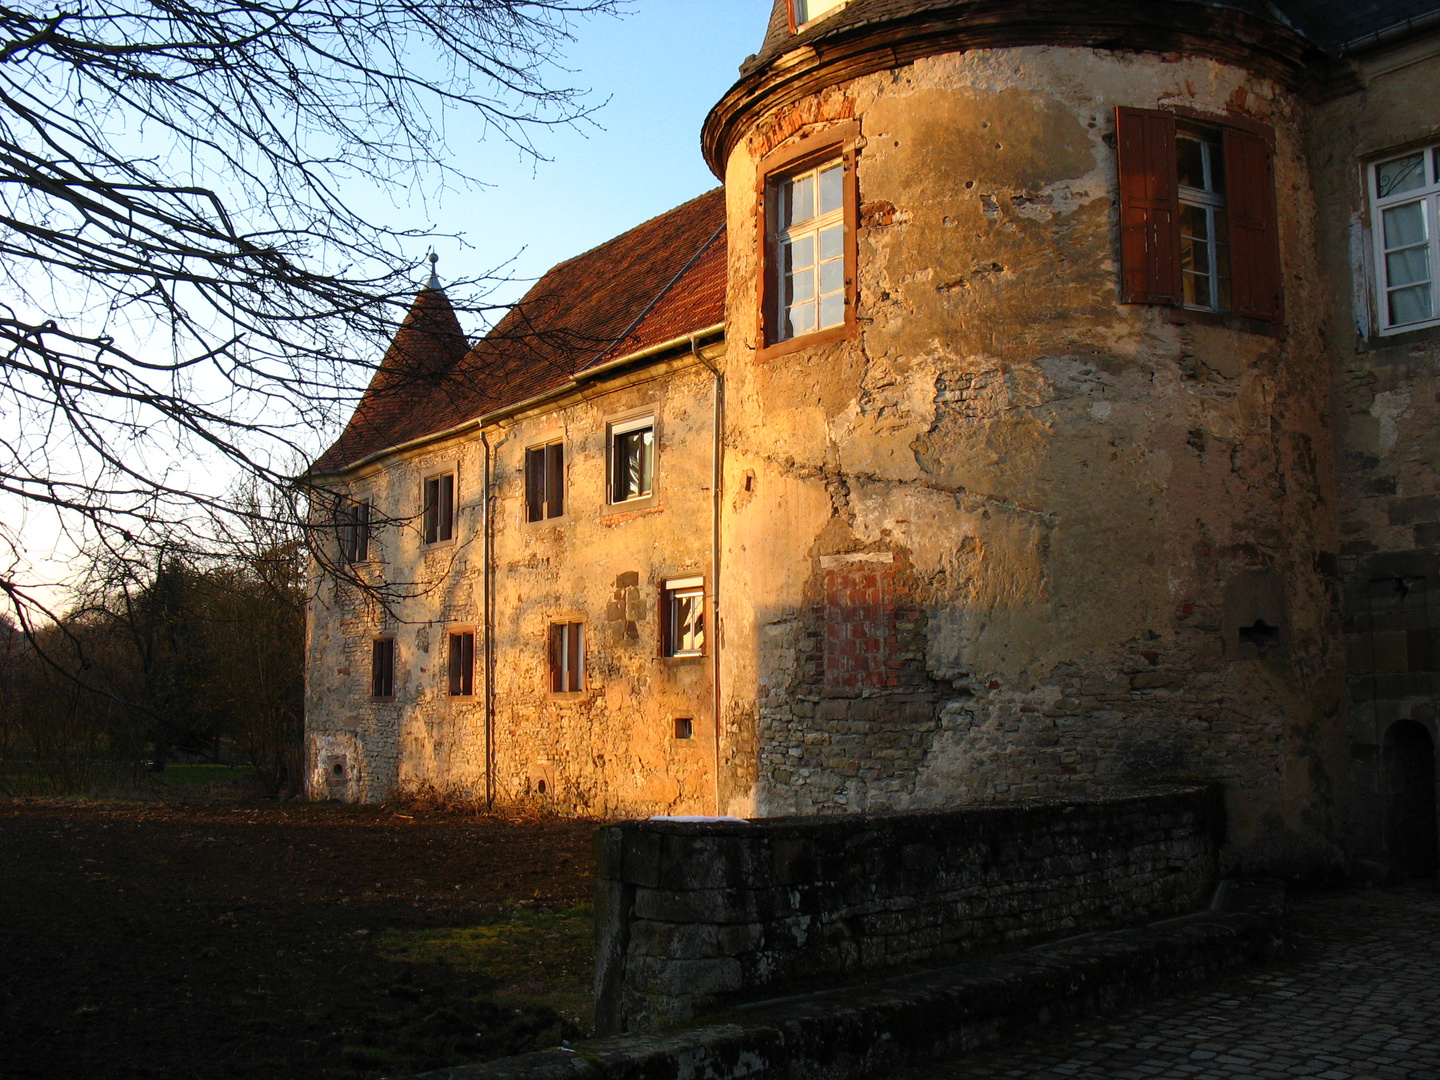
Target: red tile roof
{"points": [[659, 281]]}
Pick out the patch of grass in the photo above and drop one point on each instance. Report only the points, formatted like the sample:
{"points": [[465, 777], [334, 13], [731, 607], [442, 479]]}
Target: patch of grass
{"points": [[532, 958]]}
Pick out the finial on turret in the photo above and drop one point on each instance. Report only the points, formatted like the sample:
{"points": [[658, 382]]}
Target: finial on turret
{"points": [[434, 282]]}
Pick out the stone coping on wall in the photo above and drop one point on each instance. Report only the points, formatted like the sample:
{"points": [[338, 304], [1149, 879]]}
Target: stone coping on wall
{"points": [[697, 914], [867, 1029]]}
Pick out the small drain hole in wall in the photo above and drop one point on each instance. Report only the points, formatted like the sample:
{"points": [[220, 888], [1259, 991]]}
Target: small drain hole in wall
{"points": [[338, 770], [684, 727], [1262, 635], [540, 786]]}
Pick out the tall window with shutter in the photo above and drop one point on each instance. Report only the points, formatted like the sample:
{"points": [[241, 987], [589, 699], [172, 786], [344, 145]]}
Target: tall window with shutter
{"points": [[545, 481], [382, 669], [567, 657], [462, 663], [1197, 214], [439, 517]]}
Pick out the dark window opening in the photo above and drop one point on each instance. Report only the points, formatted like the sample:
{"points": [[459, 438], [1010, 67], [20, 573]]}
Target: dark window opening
{"points": [[382, 668], [684, 727], [439, 514], [544, 482], [1262, 635], [462, 663], [632, 461]]}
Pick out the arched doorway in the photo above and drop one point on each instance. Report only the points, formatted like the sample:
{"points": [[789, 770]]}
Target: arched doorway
{"points": [[1410, 833]]}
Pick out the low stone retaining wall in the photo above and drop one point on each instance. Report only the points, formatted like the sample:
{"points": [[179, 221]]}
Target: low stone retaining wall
{"points": [[692, 915]]}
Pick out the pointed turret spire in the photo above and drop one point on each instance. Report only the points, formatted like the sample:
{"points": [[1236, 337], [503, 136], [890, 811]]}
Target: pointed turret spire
{"points": [[434, 282]]}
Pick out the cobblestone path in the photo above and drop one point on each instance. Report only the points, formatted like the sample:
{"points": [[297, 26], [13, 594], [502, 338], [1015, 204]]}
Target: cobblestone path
{"points": [[1358, 995]]}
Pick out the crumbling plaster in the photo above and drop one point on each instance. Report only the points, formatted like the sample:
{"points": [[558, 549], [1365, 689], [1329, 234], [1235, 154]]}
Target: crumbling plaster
{"points": [[1070, 482]]}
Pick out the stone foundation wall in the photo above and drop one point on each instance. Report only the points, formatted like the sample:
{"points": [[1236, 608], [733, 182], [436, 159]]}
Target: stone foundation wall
{"points": [[691, 915]]}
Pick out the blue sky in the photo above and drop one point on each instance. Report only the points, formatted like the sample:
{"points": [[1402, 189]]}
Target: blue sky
{"points": [[661, 67], [654, 73]]}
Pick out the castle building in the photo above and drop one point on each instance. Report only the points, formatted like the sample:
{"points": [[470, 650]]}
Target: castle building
{"points": [[1045, 404]]}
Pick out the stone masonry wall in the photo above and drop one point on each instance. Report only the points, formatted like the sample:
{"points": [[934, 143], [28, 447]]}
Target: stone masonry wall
{"points": [[695, 914], [1386, 423]]}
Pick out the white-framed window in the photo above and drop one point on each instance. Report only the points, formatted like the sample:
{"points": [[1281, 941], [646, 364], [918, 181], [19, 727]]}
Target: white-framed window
{"points": [[1405, 193], [567, 657], [804, 11], [439, 508], [806, 242], [1204, 221], [632, 459], [683, 615]]}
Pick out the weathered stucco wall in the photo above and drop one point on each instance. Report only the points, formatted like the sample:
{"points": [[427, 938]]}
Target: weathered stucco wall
{"points": [[1387, 430], [609, 750], [1078, 503]]}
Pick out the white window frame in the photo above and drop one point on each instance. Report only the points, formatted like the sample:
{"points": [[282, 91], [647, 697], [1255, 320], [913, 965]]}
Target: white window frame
{"points": [[626, 427], [1428, 195], [803, 12], [690, 588], [1210, 200], [779, 240]]}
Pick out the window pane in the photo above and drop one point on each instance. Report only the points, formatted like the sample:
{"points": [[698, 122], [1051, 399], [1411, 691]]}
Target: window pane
{"points": [[799, 254], [1405, 225], [832, 309], [800, 205], [832, 242], [1410, 305], [1399, 175], [832, 188], [800, 287], [1216, 153], [832, 276], [1190, 162], [801, 320], [634, 464], [1408, 266]]}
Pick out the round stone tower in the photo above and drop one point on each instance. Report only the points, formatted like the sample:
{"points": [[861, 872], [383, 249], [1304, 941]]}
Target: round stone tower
{"points": [[1026, 467]]}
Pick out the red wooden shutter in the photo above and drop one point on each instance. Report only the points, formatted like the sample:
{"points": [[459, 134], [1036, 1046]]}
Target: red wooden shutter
{"points": [[557, 657], [1254, 246], [554, 480], [534, 484], [1149, 207], [575, 657]]}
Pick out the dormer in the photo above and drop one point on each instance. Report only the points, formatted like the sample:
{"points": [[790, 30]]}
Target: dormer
{"points": [[805, 12]]}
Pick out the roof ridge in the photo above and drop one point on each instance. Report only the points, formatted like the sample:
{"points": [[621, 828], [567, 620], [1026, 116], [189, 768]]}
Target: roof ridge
{"points": [[627, 232]]}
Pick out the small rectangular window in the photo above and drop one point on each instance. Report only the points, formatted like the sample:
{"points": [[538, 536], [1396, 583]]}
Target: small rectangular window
{"points": [[567, 657], [462, 663], [382, 668], [354, 528], [439, 516], [545, 481], [632, 460], [683, 617], [684, 727], [1406, 224]]}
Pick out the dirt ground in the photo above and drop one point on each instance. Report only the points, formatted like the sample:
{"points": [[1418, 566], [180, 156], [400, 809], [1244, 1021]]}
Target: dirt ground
{"points": [[310, 941]]}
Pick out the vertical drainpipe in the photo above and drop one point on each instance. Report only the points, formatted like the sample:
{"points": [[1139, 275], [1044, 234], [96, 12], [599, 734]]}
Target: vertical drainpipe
{"points": [[488, 604], [717, 472]]}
